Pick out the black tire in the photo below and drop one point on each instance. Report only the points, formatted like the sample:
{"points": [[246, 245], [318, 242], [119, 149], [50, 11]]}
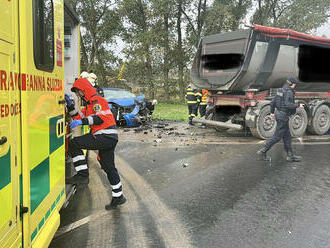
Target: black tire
{"points": [[265, 126], [320, 123], [298, 123]]}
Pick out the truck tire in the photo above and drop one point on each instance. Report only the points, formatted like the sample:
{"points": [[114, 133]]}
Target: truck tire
{"points": [[320, 123], [298, 123], [265, 126]]}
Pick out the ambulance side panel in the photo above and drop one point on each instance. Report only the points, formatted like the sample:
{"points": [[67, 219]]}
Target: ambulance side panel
{"points": [[42, 118], [10, 159]]}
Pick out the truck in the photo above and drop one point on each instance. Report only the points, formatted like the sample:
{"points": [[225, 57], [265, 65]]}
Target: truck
{"points": [[39, 58], [244, 69]]}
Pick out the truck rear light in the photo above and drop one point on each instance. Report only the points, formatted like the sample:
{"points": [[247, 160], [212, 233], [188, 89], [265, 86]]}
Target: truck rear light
{"points": [[209, 100]]}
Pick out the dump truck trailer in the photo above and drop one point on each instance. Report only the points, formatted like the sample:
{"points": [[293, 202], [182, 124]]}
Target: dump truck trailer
{"points": [[243, 70]]}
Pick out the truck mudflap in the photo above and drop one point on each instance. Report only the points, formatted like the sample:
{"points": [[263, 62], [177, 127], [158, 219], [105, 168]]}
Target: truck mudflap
{"points": [[218, 123]]}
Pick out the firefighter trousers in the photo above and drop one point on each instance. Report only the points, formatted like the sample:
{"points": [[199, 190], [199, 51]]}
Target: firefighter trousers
{"points": [[192, 109], [106, 145], [202, 109]]}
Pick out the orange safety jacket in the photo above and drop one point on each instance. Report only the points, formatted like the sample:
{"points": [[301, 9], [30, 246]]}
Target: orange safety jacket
{"points": [[97, 113], [205, 94]]}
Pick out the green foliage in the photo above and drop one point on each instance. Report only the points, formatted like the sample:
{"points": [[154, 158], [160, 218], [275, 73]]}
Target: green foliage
{"points": [[225, 15], [177, 112], [299, 15], [100, 22]]}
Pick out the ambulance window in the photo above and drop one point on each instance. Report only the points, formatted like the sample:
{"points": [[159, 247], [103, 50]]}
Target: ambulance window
{"points": [[43, 34]]}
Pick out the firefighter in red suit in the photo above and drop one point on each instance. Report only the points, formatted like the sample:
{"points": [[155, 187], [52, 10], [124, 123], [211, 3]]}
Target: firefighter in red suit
{"points": [[103, 137]]}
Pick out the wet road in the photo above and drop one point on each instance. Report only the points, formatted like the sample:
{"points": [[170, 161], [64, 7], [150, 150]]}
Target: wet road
{"points": [[205, 195]]}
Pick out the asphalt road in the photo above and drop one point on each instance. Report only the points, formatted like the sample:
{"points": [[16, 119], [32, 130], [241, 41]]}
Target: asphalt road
{"points": [[204, 192]]}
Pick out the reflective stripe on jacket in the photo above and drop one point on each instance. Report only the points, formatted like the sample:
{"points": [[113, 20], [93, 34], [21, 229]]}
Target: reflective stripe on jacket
{"points": [[192, 96], [205, 95]]}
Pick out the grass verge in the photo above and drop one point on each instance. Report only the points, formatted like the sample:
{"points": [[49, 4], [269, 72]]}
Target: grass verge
{"points": [[176, 112]]}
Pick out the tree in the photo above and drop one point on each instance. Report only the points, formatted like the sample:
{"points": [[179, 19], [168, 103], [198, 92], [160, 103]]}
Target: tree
{"points": [[300, 15], [226, 15], [100, 24], [138, 38]]}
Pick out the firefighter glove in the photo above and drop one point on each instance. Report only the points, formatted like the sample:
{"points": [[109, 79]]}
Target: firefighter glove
{"points": [[68, 100], [75, 123]]}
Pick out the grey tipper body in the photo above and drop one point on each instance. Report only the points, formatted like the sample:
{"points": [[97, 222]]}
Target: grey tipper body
{"points": [[247, 59]]}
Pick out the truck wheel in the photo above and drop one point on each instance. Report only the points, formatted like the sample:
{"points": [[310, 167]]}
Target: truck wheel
{"points": [[265, 126], [298, 123], [321, 120]]}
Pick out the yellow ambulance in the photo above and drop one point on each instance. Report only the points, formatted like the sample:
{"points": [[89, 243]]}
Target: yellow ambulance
{"points": [[39, 58]]}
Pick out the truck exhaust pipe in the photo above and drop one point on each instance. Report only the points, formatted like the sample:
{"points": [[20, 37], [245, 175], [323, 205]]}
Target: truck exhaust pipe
{"points": [[218, 123]]}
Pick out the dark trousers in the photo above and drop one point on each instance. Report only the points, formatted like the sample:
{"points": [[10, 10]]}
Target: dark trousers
{"points": [[192, 109], [106, 145], [202, 109], [282, 131]]}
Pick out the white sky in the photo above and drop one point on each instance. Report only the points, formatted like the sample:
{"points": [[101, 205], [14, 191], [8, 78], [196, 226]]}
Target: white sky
{"points": [[324, 30]]}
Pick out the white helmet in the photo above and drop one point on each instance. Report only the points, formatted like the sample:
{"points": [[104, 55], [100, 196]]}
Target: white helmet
{"points": [[84, 74], [92, 78], [154, 102]]}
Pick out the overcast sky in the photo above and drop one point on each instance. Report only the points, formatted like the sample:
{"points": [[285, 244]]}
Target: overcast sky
{"points": [[324, 30]]}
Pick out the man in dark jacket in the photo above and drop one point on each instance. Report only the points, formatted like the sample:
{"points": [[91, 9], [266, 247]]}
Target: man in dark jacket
{"points": [[283, 104]]}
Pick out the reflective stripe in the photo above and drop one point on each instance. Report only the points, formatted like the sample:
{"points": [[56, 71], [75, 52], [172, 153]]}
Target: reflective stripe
{"points": [[107, 112], [191, 101], [114, 194], [90, 120], [81, 167], [117, 186], [73, 112], [203, 103], [78, 158], [106, 131], [81, 114], [190, 93]]}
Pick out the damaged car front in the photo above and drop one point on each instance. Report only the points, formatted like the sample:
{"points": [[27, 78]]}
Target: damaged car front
{"points": [[129, 110]]}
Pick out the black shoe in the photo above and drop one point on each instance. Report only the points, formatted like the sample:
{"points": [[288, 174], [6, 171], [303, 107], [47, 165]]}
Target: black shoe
{"points": [[262, 155], [190, 123], [77, 179], [115, 202], [293, 158]]}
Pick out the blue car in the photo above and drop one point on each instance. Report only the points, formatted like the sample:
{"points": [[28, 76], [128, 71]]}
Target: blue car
{"points": [[129, 110]]}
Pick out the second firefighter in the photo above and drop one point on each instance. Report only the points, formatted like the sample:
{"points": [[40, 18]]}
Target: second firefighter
{"points": [[193, 100]]}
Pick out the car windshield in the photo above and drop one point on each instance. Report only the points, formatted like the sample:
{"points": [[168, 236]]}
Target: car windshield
{"points": [[114, 94]]}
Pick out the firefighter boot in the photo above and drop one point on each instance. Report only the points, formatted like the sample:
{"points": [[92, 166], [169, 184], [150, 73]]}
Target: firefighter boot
{"points": [[115, 202], [77, 179], [262, 155], [293, 158]]}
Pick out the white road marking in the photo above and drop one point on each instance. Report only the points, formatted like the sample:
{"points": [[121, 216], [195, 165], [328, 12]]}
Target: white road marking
{"points": [[167, 222]]}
